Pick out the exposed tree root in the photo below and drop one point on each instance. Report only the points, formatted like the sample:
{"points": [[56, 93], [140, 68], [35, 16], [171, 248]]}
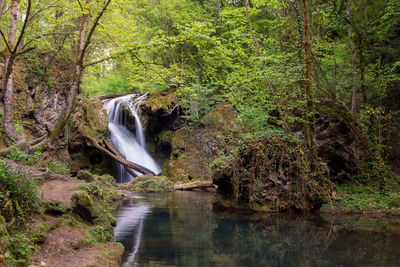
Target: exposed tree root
{"points": [[24, 145]]}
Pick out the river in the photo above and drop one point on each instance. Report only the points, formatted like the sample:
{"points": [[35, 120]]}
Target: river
{"points": [[182, 229]]}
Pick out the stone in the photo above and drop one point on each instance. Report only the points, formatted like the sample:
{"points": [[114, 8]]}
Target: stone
{"points": [[149, 183]]}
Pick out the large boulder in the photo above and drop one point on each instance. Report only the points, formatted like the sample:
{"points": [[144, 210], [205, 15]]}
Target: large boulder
{"points": [[196, 147], [88, 120], [149, 183], [341, 143], [270, 173]]}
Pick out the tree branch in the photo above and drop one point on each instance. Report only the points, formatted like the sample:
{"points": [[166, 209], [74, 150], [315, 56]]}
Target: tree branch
{"points": [[21, 35], [5, 40], [92, 30]]}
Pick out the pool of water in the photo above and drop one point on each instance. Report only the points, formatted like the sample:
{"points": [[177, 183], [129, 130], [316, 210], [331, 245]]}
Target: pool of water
{"points": [[182, 229]]}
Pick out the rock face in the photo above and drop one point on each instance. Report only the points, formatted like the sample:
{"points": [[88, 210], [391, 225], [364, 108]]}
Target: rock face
{"points": [[194, 148], [273, 172], [160, 115], [89, 119], [341, 143], [269, 173]]}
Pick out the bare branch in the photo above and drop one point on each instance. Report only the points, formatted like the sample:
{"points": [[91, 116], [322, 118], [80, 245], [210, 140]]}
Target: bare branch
{"points": [[92, 30]]}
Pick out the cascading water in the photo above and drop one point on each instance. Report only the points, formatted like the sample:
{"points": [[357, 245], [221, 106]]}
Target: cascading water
{"points": [[131, 146]]}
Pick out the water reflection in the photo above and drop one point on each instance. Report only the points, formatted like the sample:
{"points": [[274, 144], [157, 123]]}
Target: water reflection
{"points": [[181, 229]]}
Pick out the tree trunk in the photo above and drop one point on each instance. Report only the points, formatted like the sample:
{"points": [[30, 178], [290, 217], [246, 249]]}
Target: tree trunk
{"points": [[77, 78], [354, 98], [310, 129], [82, 44], [8, 84], [2, 6], [219, 9]]}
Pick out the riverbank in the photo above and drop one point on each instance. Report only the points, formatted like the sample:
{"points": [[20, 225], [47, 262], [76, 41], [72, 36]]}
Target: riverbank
{"points": [[70, 223]]}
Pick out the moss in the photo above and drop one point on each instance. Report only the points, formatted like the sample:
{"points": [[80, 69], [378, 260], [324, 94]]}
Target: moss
{"points": [[94, 235], [196, 146], [166, 136], [82, 204], [161, 100], [85, 175], [270, 173], [54, 207], [38, 232], [149, 183]]}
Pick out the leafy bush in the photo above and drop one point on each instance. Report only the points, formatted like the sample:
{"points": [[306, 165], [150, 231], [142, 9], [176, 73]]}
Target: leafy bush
{"points": [[58, 168], [18, 192], [20, 251], [24, 157]]}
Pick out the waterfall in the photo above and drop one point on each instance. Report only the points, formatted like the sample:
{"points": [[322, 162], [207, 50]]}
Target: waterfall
{"points": [[131, 146]]}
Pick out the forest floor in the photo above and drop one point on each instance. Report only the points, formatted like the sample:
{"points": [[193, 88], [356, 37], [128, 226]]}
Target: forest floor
{"points": [[63, 233], [61, 246]]}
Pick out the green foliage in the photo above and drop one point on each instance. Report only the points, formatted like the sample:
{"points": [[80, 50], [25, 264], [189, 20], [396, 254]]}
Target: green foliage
{"points": [[38, 232], [109, 83], [362, 198], [94, 235], [60, 168], [24, 157], [18, 193], [197, 100], [19, 252]]}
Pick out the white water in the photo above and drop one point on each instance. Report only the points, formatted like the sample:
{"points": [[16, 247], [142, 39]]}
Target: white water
{"points": [[131, 146]]}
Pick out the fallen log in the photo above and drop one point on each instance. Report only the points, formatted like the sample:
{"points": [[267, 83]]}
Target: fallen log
{"points": [[109, 96], [113, 152], [195, 185]]}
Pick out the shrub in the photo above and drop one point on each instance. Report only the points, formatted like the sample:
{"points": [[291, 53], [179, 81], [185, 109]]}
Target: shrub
{"points": [[20, 251], [18, 192], [58, 168], [24, 157]]}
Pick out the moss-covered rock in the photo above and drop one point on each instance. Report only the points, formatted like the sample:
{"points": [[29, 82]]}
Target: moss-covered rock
{"points": [[149, 183], [270, 173], [82, 204], [88, 120], [161, 100], [85, 175], [341, 142], [54, 207], [196, 147]]}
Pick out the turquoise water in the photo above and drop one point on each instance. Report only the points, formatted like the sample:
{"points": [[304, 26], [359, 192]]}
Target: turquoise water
{"points": [[181, 229]]}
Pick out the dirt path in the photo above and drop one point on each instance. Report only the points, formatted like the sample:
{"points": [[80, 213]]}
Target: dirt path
{"points": [[61, 245], [59, 250], [61, 190]]}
